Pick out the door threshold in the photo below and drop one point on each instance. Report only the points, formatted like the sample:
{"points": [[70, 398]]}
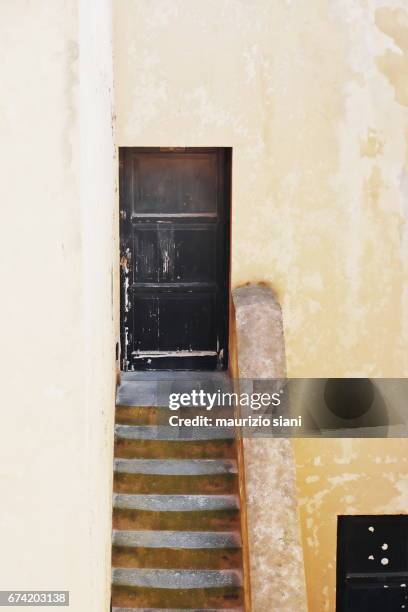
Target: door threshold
{"points": [[143, 388], [172, 375]]}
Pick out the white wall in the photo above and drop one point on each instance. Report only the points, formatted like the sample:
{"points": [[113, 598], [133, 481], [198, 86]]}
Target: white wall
{"points": [[57, 357]]}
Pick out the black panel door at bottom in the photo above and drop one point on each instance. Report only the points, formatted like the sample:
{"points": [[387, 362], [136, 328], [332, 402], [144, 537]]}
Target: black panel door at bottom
{"points": [[372, 563]]}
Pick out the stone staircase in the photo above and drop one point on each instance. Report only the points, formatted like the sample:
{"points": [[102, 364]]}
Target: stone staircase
{"points": [[176, 522]]}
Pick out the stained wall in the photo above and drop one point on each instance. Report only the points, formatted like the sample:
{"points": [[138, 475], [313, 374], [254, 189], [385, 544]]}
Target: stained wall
{"points": [[343, 477], [312, 96], [313, 99]]}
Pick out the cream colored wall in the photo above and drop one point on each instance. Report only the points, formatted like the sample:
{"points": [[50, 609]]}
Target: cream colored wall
{"points": [[57, 337], [313, 98], [343, 477]]}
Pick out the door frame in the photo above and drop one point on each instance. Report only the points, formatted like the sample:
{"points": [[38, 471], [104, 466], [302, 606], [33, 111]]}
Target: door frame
{"points": [[224, 161]]}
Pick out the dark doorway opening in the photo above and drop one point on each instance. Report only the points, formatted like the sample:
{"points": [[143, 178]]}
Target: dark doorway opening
{"points": [[174, 253], [372, 563]]}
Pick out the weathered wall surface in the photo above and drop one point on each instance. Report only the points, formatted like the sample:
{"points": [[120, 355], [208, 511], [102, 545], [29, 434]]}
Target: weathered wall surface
{"points": [[57, 193], [312, 96], [344, 477]]}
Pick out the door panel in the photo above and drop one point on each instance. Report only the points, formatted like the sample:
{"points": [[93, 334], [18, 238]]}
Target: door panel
{"points": [[187, 322], [376, 598], [174, 183], [372, 563], [180, 254], [146, 323], [146, 255], [195, 255], [174, 234]]}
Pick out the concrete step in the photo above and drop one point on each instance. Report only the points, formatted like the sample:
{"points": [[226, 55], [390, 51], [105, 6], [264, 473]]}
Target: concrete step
{"points": [[175, 449], [177, 558], [174, 467], [154, 390], [221, 598], [174, 609], [202, 520], [163, 432], [156, 415], [175, 503], [163, 484], [176, 579], [177, 539]]}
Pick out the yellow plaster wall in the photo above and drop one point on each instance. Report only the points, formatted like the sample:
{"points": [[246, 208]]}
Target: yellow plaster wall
{"points": [[343, 477], [312, 96]]}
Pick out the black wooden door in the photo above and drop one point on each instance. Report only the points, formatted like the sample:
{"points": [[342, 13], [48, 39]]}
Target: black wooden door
{"points": [[174, 234], [372, 563]]}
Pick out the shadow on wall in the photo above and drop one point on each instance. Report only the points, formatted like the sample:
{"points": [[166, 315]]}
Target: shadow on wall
{"points": [[351, 407]]}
